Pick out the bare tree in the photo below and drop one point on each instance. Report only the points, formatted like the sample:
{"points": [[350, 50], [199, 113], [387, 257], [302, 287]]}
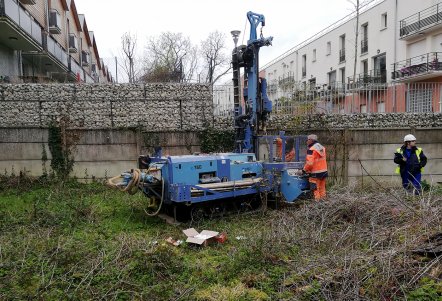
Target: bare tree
{"points": [[215, 58], [171, 57], [129, 47]]}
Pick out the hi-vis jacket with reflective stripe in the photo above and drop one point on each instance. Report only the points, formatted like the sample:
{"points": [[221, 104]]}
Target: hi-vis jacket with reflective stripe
{"points": [[316, 161], [414, 164]]}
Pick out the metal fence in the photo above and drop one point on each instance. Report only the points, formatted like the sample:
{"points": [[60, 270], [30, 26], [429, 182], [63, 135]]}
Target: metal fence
{"points": [[290, 98]]}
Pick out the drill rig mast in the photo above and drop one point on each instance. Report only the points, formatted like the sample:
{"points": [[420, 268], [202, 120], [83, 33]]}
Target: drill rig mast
{"points": [[250, 118]]}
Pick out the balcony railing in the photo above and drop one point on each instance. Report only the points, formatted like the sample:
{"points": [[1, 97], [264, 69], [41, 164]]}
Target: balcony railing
{"points": [[342, 55], [286, 80], [418, 65], [56, 50], [75, 68], [311, 92], [422, 20], [22, 19], [372, 78], [364, 45]]}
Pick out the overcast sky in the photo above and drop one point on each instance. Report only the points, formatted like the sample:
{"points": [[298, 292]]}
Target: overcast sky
{"points": [[288, 21]]}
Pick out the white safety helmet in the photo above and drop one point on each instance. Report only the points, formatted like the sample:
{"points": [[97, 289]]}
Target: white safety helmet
{"points": [[409, 137]]}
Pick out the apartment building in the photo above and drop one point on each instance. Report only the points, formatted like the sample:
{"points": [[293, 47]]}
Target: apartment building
{"points": [[47, 41], [395, 66]]}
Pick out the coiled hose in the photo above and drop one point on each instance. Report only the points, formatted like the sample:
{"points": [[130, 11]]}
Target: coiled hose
{"points": [[132, 187]]}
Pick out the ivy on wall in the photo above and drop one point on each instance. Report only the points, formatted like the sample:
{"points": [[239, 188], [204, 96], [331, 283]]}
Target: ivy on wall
{"points": [[61, 145], [215, 140]]}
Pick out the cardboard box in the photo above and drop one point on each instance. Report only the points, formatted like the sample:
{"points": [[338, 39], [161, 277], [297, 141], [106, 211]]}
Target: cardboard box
{"points": [[202, 238]]}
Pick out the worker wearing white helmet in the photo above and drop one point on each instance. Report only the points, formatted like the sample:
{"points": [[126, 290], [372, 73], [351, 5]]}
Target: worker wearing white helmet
{"points": [[411, 161]]}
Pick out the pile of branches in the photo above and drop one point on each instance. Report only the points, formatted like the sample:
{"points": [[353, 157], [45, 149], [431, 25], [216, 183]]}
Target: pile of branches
{"points": [[359, 245]]}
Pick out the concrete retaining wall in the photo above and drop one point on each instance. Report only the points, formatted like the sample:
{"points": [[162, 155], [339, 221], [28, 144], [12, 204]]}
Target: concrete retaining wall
{"points": [[107, 152]]}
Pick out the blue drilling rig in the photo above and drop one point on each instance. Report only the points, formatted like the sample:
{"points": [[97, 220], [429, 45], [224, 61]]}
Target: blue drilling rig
{"points": [[213, 183]]}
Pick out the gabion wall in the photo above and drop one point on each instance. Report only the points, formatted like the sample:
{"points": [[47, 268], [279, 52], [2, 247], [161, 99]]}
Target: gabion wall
{"points": [[150, 106], [340, 121], [161, 107]]}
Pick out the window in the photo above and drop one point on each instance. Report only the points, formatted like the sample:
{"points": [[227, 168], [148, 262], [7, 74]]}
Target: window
{"points": [[342, 75], [381, 107], [314, 55], [84, 58], [328, 48], [380, 68], [312, 83], [364, 66], [304, 65], [342, 48], [363, 108], [364, 38], [384, 21], [419, 99], [54, 22], [332, 78], [73, 43]]}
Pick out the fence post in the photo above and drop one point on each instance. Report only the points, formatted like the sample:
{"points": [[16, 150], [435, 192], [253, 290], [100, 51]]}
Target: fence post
{"points": [[345, 156]]}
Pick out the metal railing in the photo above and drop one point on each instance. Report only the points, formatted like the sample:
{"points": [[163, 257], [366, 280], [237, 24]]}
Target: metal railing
{"points": [[56, 50], [286, 80], [417, 65], [22, 19], [75, 68], [338, 97], [372, 78], [424, 19], [364, 45]]}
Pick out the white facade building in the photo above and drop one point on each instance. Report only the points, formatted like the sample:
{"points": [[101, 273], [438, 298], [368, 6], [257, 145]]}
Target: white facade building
{"points": [[399, 47], [392, 34]]}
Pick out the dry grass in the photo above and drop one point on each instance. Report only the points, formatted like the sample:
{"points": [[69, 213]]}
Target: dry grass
{"points": [[356, 245]]}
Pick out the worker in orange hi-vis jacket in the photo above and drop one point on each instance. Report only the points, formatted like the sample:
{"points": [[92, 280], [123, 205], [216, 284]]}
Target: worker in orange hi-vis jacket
{"points": [[289, 149], [316, 166]]}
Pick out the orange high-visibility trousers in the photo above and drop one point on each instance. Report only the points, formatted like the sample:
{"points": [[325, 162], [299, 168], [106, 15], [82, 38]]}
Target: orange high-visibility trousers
{"points": [[318, 187]]}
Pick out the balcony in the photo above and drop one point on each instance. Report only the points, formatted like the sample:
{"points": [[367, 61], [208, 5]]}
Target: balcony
{"points": [[425, 19], [342, 55], [286, 82], [371, 80], [364, 45], [75, 71], [428, 65], [19, 31], [52, 61]]}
